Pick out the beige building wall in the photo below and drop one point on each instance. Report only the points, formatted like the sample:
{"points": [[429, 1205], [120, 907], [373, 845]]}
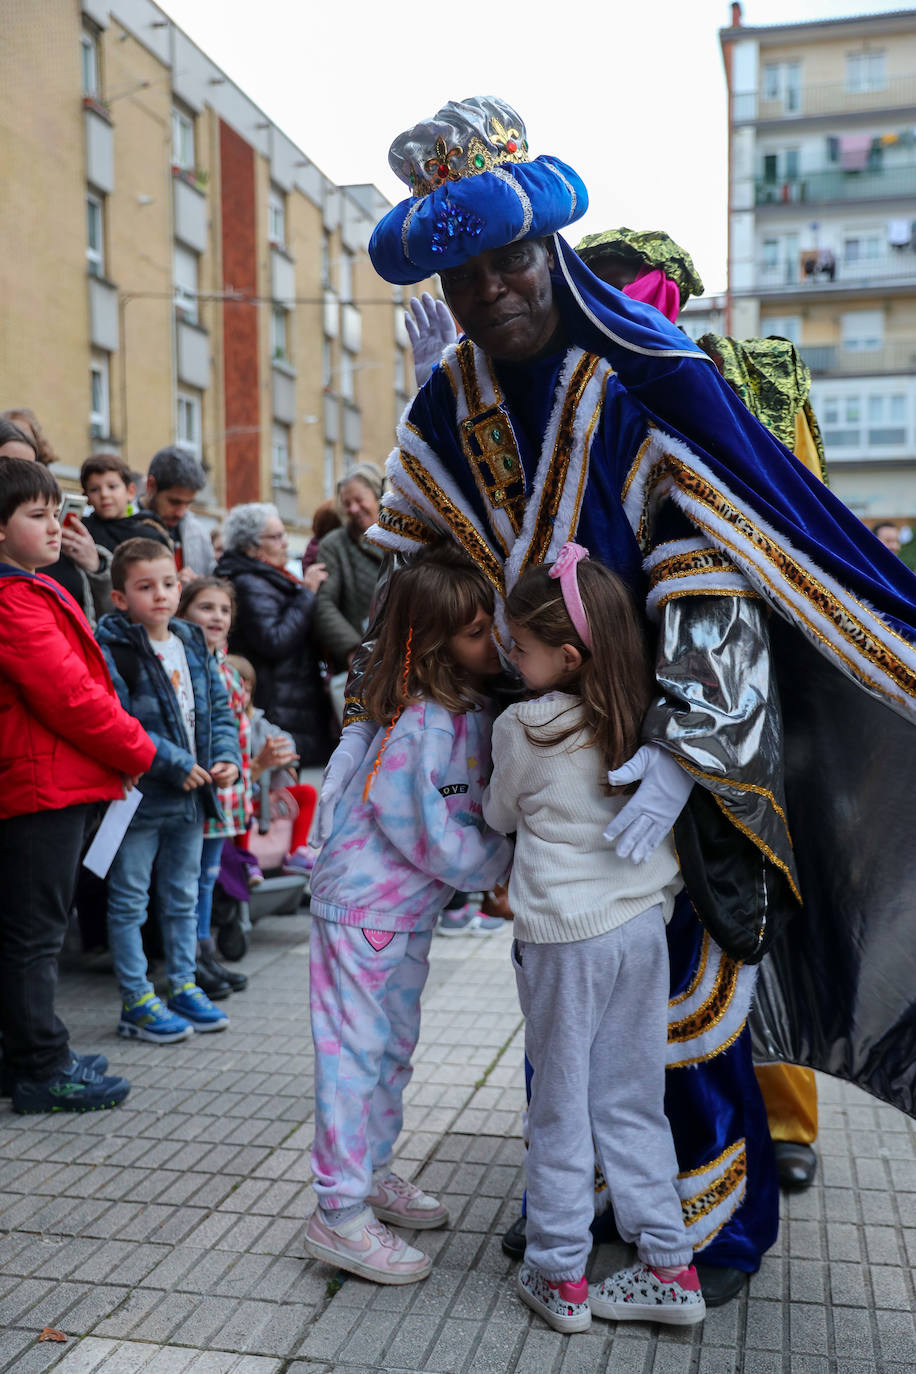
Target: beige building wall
{"points": [[44, 339]]}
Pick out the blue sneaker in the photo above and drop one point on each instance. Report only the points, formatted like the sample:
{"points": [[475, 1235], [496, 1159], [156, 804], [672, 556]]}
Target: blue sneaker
{"points": [[77, 1088], [195, 1006], [9, 1078], [148, 1019]]}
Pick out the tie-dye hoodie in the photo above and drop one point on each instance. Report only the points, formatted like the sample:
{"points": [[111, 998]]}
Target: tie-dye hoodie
{"points": [[394, 861]]}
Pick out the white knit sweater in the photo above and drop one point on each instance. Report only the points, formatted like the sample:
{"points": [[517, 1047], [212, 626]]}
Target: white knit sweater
{"points": [[568, 882]]}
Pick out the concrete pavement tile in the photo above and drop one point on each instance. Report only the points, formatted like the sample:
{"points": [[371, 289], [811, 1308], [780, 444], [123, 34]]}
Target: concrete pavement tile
{"points": [[807, 1329], [328, 1334], [890, 1287], [587, 1351], [541, 1350], [99, 1302], [805, 1240], [844, 1241], [452, 1350], [412, 1337], [764, 1325], [240, 1279], [372, 1333], [723, 1324], [730, 1362], [807, 1280], [671, 1358], [882, 1245], [629, 1355], [847, 1285], [213, 1362], [127, 1357], [244, 1194], [87, 1356], [207, 1317], [852, 1333], [280, 1236], [135, 1308], [896, 1337], [210, 1230], [843, 1366], [12, 1343]]}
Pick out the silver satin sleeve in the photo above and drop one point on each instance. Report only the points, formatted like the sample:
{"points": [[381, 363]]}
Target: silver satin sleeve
{"points": [[719, 712]]}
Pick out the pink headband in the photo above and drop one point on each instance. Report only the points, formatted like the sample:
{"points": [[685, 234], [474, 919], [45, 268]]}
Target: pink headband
{"points": [[565, 569]]}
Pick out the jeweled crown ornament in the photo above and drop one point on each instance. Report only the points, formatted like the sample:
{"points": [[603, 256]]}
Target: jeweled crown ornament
{"points": [[473, 187]]}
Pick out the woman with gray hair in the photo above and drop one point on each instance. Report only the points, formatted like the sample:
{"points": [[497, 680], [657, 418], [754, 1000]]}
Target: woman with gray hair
{"points": [[353, 568], [273, 626]]}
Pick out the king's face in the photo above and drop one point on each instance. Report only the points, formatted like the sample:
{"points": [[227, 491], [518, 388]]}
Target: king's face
{"points": [[503, 299]]}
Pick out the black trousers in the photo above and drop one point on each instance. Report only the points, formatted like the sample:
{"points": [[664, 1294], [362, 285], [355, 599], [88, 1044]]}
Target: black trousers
{"points": [[39, 861]]}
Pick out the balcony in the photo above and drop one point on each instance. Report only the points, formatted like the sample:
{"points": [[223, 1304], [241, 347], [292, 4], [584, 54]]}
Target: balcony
{"points": [[893, 267], [835, 361], [831, 98], [834, 184]]}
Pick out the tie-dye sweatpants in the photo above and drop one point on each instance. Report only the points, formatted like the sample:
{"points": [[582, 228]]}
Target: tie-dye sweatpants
{"points": [[364, 1000]]}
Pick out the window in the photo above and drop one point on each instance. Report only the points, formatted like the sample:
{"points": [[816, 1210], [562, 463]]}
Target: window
{"points": [[841, 417], [330, 470], [326, 261], [182, 140], [863, 330], [327, 365], [281, 472], [399, 372], [862, 248], [279, 333], [347, 370], [782, 81], [791, 164], [276, 217], [887, 419], [865, 71], [784, 327], [345, 282], [185, 282], [187, 435], [95, 236], [99, 419], [771, 253], [89, 59]]}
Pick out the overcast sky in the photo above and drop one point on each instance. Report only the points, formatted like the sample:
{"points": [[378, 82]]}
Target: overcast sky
{"points": [[631, 94]]}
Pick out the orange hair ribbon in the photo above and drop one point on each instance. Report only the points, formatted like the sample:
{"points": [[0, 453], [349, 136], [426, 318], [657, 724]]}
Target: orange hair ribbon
{"points": [[394, 720]]}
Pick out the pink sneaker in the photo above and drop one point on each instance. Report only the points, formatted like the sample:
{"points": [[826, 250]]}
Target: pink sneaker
{"points": [[395, 1200], [637, 1294], [564, 1306], [366, 1247]]}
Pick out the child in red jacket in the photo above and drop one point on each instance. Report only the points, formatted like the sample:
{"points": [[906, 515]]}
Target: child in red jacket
{"points": [[66, 744]]}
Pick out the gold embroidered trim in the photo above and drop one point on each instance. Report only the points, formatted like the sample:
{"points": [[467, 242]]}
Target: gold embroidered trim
{"points": [[850, 627], [740, 787], [407, 526], [708, 591], [761, 845], [472, 541], [737, 1145], [697, 977], [555, 478], [465, 355], [699, 1206], [710, 1012], [692, 563], [636, 464], [709, 1054]]}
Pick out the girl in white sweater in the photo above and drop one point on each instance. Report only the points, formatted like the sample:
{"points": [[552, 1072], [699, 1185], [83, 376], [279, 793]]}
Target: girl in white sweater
{"points": [[590, 953]]}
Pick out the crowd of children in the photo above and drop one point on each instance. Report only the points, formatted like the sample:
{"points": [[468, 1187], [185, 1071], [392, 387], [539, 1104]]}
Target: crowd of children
{"points": [[444, 783]]}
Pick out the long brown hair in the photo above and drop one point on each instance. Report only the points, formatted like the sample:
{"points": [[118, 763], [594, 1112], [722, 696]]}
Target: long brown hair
{"points": [[615, 682], [427, 602]]}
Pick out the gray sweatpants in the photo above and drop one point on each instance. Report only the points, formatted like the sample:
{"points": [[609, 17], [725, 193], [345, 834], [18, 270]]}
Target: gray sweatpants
{"points": [[596, 1026]]}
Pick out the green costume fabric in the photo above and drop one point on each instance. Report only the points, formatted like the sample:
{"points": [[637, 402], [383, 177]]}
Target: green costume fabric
{"points": [[650, 248], [772, 380]]}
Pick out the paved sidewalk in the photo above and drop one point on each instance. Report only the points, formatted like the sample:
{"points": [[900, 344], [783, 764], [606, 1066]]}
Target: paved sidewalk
{"points": [[166, 1236]]}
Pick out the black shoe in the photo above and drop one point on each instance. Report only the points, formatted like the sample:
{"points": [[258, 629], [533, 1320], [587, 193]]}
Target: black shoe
{"points": [[211, 982], [720, 1285], [796, 1165], [238, 982], [513, 1242], [8, 1077], [77, 1088]]}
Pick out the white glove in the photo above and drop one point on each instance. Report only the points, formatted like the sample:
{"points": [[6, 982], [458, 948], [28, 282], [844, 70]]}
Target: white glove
{"points": [[430, 329], [653, 808], [342, 764]]}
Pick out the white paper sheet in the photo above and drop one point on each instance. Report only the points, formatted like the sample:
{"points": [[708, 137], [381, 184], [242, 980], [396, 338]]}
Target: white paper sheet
{"points": [[111, 832]]}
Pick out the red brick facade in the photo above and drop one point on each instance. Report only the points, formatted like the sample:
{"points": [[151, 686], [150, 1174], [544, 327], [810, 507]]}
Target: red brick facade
{"points": [[240, 320]]}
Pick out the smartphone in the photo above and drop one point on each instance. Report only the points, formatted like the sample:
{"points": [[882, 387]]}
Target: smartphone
{"points": [[70, 507]]}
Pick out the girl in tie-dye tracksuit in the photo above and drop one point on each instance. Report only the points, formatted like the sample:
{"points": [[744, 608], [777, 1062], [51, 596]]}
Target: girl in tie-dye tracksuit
{"points": [[408, 832]]}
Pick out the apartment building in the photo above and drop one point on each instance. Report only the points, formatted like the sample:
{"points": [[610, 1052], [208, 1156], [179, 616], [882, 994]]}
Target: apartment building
{"points": [[822, 231], [176, 270]]}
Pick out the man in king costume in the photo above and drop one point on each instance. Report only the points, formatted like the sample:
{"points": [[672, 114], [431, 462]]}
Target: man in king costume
{"points": [[569, 411]]}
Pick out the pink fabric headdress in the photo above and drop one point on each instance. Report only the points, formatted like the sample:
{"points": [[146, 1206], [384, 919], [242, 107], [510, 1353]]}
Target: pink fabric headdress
{"points": [[653, 287], [565, 569]]}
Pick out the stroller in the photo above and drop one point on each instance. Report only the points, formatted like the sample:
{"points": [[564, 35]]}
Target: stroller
{"points": [[282, 824]]}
